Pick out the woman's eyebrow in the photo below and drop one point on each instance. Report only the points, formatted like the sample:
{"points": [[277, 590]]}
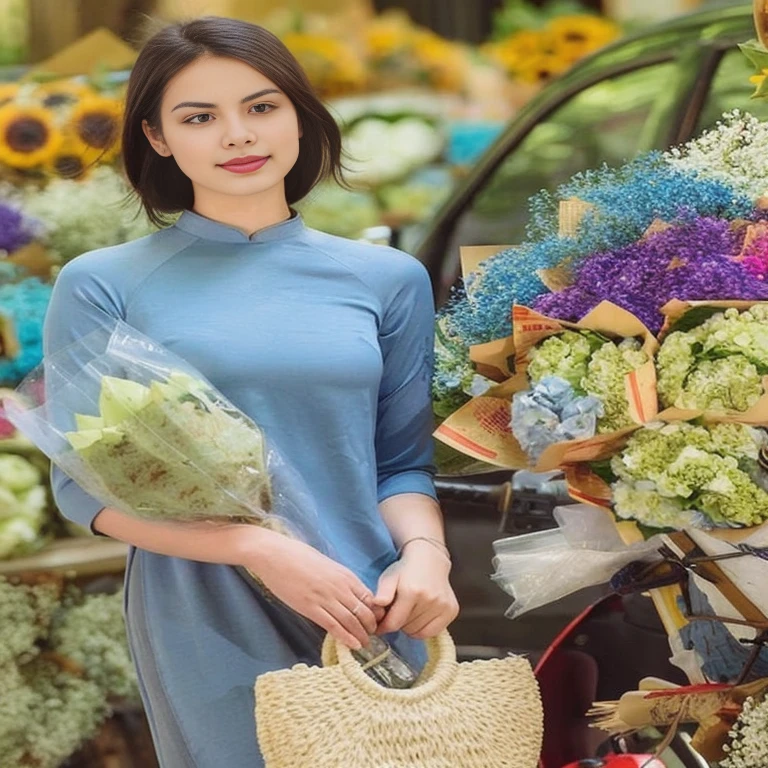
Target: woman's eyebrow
{"points": [[205, 105]]}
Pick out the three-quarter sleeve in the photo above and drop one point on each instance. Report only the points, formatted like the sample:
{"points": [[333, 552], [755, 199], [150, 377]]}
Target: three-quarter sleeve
{"points": [[80, 303], [404, 447]]}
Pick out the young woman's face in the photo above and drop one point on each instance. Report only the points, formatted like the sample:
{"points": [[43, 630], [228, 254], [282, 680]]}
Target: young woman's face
{"points": [[229, 128]]}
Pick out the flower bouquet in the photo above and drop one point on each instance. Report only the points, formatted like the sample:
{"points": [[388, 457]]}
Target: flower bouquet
{"points": [[576, 390], [713, 360], [143, 431]]}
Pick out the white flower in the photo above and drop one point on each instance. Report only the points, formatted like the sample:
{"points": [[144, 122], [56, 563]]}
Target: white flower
{"points": [[732, 152], [749, 738]]}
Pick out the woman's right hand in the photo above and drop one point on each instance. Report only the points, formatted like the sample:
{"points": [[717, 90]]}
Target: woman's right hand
{"points": [[317, 587]]}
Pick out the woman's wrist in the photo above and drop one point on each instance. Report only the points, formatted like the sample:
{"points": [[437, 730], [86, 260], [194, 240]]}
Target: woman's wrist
{"points": [[254, 544], [419, 546]]}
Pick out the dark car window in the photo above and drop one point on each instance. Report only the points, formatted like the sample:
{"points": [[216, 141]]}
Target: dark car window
{"points": [[731, 90], [601, 124]]}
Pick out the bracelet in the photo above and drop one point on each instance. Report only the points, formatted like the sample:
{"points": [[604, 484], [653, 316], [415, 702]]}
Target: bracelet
{"points": [[434, 542]]}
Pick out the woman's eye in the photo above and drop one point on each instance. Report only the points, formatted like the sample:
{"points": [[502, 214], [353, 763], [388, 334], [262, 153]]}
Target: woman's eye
{"points": [[262, 108], [198, 119]]}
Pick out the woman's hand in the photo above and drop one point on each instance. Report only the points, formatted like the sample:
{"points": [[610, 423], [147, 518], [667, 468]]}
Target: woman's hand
{"points": [[417, 592], [318, 588]]}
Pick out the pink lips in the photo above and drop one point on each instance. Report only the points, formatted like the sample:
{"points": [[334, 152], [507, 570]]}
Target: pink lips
{"points": [[247, 164]]}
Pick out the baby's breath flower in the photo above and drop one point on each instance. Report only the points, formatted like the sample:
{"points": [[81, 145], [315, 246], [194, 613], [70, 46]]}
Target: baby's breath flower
{"points": [[748, 747]]}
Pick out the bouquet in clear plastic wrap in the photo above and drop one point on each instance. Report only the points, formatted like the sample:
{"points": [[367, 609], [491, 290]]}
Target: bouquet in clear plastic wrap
{"points": [[142, 431]]}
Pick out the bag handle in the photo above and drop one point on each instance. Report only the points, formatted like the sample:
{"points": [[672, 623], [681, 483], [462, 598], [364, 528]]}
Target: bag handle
{"points": [[438, 673]]}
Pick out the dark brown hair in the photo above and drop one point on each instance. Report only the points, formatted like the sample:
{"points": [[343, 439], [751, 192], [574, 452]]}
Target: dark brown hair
{"points": [[158, 181]]}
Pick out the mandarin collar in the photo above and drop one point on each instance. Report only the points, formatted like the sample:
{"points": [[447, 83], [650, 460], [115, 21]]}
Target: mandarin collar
{"points": [[208, 229]]}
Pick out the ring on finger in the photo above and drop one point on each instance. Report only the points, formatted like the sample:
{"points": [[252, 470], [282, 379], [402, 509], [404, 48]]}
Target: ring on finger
{"points": [[362, 602]]}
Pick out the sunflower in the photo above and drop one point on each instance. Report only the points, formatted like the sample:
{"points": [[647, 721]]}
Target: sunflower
{"points": [[72, 160], [28, 136], [443, 62], [541, 68], [332, 66], [514, 52], [8, 92], [62, 93], [387, 35], [580, 34], [96, 122]]}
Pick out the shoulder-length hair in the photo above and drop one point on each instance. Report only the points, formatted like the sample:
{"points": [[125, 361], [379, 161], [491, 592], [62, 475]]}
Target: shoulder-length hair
{"points": [[158, 181]]}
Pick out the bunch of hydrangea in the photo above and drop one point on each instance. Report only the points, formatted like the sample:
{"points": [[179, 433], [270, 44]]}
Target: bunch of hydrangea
{"points": [[565, 355], [717, 365], [692, 260], [605, 377], [673, 475], [552, 412], [592, 365], [748, 747], [23, 506], [733, 152]]}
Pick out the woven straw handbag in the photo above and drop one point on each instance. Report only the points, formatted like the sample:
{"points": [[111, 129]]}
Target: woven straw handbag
{"points": [[479, 714]]}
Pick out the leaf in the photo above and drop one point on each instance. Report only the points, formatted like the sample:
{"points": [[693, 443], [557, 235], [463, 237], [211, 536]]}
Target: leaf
{"points": [[603, 470], [693, 317], [757, 54]]}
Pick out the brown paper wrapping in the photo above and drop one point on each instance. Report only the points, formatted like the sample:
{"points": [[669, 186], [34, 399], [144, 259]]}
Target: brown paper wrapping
{"points": [[571, 212], [481, 428], [757, 414]]}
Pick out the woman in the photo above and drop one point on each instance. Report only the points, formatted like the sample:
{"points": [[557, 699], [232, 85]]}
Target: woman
{"points": [[325, 342]]}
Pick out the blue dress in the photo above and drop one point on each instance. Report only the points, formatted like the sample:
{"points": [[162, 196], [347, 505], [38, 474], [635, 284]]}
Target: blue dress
{"points": [[327, 344]]}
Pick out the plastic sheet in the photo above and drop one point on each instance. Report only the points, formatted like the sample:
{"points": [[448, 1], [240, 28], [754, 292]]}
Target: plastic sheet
{"points": [[584, 551]]}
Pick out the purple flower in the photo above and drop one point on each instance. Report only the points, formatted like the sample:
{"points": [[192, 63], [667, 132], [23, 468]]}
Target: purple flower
{"points": [[15, 230], [692, 260]]}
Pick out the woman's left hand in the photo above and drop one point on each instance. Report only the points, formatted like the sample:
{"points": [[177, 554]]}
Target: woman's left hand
{"points": [[417, 593]]}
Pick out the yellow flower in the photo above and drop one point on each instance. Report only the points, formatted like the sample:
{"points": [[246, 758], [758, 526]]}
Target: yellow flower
{"points": [[578, 35], [388, 34], [61, 93], [72, 160], [332, 66], [444, 63], [28, 136], [96, 122], [758, 80], [541, 68], [8, 92]]}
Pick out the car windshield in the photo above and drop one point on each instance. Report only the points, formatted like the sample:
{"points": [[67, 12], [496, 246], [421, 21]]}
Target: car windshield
{"points": [[605, 123]]}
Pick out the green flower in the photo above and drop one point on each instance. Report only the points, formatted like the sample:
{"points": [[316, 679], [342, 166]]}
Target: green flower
{"points": [[646, 506], [698, 474], [727, 384], [606, 372], [717, 365], [564, 355]]}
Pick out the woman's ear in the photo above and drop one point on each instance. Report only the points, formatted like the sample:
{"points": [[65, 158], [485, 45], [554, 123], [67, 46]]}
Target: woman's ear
{"points": [[155, 139]]}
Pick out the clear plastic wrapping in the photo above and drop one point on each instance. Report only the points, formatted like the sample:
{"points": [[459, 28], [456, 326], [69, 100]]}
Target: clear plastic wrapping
{"points": [[143, 431], [584, 551]]}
